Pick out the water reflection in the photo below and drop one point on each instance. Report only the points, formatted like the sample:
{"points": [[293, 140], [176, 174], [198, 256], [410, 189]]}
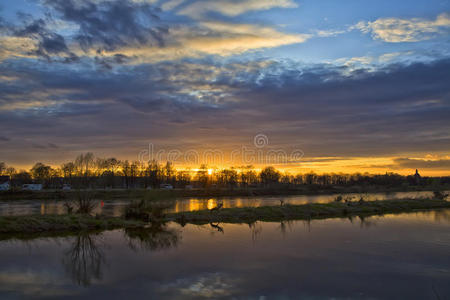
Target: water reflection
{"points": [[217, 227], [157, 236], [393, 256], [85, 259], [116, 207]]}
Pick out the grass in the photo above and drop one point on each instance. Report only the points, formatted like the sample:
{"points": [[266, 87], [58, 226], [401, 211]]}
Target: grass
{"points": [[76, 222], [48, 224], [308, 211]]}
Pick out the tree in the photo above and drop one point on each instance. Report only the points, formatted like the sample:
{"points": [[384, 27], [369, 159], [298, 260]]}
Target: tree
{"points": [[183, 178], [126, 170], [68, 170], [153, 173], [10, 171], [168, 172], [22, 177], [269, 176], [2, 167], [112, 165], [227, 177], [202, 176], [41, 172], [84, 163], [248, 176]]}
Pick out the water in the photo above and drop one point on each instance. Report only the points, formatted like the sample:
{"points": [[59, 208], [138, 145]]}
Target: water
{"points": [[403, 256], [116, 207]]}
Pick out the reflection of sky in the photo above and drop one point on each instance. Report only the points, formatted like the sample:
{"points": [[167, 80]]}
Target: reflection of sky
{"points": [[331, 78], [116, 207], [393, 256]]}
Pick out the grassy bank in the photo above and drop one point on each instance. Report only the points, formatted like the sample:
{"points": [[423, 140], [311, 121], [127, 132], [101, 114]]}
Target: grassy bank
{"points": [[75, 223], [308, 211], [62, 223], [208, 193]]}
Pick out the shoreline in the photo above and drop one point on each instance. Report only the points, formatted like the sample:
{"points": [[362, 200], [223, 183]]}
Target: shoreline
{"points": [[205, 193], [67, 224]]}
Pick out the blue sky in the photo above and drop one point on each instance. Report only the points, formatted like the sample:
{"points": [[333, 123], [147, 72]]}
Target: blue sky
{"points": [[365, 81]]}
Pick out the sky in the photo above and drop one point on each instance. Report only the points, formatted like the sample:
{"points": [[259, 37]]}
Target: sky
{"points": [[304, 85]]}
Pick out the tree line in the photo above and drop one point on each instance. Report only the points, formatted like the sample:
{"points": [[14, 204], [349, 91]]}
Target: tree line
{"points": [[88, 171]]}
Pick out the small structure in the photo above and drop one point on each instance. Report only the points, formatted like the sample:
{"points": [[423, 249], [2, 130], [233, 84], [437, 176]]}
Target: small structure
{"points": [[4, 183], [166, 186], [66, 187], [32, 187], [417, 177]]}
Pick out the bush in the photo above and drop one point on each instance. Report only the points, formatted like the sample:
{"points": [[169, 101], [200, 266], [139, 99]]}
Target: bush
{"points": [[146, 210], [84, 202], [440, 195]]}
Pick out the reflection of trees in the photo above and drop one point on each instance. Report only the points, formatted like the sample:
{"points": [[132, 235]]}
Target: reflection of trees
{"points": [[155, 237], [256, 229], [217, 227], [84, 260], [366, 222], [442, 215]]}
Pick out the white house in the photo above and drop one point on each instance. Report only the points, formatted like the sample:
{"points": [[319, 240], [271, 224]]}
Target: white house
{"points": [[166, 186], [32, 187], [66, 187], [5, 186]]}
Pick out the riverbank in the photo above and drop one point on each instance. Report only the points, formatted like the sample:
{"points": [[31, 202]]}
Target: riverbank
{"points": [[307, 211], [49, 224], [63, 223], [208, 193]]}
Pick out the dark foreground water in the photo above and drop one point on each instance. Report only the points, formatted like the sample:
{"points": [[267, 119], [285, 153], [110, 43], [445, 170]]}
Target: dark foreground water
{"points": [[116, 207], [396, 257]]}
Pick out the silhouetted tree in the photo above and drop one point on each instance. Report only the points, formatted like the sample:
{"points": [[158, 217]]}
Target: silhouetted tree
{"points": [[269, 176], [2, 168], [41, 173]]}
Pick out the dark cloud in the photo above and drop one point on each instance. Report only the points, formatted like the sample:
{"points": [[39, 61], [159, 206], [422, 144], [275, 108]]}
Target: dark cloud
{"points": [[111, 24], [323, 110], [49, 43], [4, 139], [440, 164]]}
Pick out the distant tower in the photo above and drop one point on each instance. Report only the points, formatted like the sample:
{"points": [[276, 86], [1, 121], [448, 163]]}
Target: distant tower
{"points": [[417, 177]]}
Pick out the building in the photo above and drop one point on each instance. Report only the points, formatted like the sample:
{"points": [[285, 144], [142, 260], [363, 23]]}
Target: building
{"points": [[417, 177], [166, 186], [5, 183], [32, 187]]}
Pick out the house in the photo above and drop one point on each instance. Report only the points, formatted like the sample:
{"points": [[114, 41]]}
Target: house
{"points": [[4, 183], [32, 187], [66, 187], [166, 186]]}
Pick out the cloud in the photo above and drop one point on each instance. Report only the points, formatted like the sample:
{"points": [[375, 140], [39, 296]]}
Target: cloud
{"points": [[234, 7], [211, 38], [396, 30], [171, 4], [322, 109], [410, 163], [12, 46], [132, 32], [109, 25], [47, 43], [237, 38]]}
